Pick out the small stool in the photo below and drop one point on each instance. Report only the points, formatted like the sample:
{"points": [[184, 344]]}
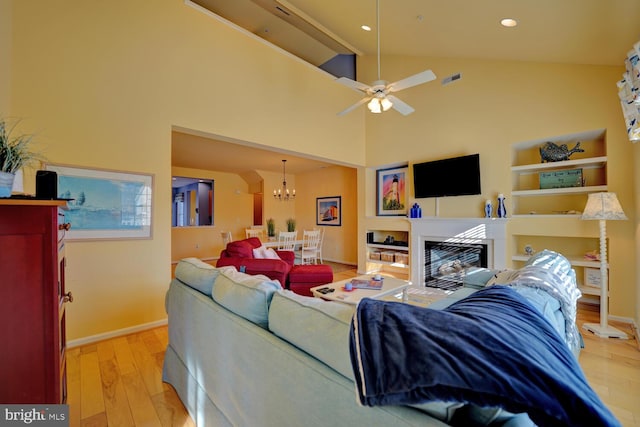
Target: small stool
{"points": [[304, 277]]}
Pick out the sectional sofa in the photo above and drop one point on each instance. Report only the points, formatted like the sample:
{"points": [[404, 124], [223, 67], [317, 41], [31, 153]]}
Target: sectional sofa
{"points": [[245, 352]]}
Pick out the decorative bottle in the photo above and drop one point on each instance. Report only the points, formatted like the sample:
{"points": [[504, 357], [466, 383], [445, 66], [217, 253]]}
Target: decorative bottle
{"points": [[488, 209], [502, 210]]}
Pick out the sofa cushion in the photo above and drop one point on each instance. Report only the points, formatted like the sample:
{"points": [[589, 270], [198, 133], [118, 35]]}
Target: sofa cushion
{"points": [[319, 327], [245, 295], [240, 249], [197, 274]]}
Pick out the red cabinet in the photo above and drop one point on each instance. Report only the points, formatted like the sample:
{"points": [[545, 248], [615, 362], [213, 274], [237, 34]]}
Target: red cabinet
{"points": [[32, 302]]}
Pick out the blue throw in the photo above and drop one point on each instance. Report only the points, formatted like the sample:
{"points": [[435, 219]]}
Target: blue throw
{"points": [[490, 349]]}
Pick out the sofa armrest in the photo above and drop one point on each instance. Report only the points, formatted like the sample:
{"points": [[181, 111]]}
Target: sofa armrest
{"points": [[288, 256]]}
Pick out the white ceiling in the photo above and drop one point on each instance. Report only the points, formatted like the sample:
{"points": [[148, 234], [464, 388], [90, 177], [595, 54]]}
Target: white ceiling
{"points": [[560, 31]]}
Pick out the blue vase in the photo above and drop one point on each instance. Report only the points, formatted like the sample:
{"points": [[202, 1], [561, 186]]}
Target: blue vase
{"points": [[502, 210], [488, 209]]}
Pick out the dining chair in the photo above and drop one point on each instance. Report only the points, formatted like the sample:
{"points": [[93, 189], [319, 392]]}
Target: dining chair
{"points": [[226, 237], [254, 232], [287, 240], [309, 250], [320, 243]]}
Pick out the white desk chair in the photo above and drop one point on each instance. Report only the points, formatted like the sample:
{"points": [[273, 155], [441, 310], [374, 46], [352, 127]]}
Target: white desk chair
{"points": [[226, 237], [287, 240], [254, 232], [310, 244]]}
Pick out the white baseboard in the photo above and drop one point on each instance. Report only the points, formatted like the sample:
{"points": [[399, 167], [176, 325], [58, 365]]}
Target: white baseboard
{"points": [[117, 333]]}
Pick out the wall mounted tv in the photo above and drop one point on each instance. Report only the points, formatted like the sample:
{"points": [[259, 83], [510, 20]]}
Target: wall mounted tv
{"points": [[456, 176]]}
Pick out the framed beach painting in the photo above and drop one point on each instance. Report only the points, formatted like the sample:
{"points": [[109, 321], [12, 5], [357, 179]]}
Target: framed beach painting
{"points": [[391, 190], [105, 204], [329, 210]]}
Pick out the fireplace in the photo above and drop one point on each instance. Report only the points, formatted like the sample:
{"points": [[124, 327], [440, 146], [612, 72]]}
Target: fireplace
{"points": [[445, 263], [485, 238]]}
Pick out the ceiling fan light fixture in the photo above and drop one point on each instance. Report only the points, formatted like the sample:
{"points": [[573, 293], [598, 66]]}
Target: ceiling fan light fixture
{"points": [[386, 104], [375, 106]]}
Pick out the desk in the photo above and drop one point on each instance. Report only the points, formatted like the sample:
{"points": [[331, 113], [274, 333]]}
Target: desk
{"points": [[390, 285], [274, 244]]}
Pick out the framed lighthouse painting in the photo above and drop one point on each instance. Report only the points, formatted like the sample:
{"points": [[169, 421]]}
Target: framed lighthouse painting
{"points": [[391, 191]]}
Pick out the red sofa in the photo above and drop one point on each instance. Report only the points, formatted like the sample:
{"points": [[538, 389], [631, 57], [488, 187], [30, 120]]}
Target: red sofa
{"points": [[240, 254]]}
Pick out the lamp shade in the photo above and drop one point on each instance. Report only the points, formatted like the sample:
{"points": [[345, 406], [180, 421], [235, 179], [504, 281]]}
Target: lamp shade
{"points": [[603, 206]]}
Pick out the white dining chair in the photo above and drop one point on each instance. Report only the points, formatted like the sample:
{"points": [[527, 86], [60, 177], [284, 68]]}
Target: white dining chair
{"points": [[226, 237], [320, 243], [309, 250], [254, 232], [287, 240]]}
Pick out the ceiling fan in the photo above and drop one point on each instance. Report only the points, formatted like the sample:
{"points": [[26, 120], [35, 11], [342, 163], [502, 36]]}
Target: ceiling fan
{"points": [[378, 95]]}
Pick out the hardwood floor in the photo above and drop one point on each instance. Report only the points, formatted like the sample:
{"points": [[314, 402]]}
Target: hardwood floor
{"points": [[118, 382]]}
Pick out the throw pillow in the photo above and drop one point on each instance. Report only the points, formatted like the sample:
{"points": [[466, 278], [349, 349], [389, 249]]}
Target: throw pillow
{"points": [[263, 252]]}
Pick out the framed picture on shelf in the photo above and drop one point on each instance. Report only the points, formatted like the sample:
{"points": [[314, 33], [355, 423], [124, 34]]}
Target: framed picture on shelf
{"points": [[329, 210], [391, 191], [105, 204], [592, 277]]}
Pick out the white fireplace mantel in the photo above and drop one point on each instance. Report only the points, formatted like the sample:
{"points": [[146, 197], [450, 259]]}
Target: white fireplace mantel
{"points": [[489, 231]]}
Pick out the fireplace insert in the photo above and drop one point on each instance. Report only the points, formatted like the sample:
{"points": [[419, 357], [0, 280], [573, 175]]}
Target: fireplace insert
{"points": [[446, 263]]}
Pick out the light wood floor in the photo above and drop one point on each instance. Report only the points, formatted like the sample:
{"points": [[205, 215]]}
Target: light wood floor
{"points": [[118, 382]]}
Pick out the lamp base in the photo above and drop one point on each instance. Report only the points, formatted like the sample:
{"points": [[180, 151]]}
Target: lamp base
{"points": [[606, 331]]}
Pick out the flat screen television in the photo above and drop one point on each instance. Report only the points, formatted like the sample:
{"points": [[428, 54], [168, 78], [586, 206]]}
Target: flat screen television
{"points": [[456, 176]]}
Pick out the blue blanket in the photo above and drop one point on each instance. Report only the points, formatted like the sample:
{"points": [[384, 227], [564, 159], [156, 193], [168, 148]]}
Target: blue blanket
{"points": [[490, 349]]}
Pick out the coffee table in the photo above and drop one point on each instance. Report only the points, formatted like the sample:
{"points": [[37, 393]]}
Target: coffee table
{"points": [[390, 285]]}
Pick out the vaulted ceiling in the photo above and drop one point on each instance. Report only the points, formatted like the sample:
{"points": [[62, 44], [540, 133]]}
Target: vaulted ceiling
{"points": [[598, 32]]}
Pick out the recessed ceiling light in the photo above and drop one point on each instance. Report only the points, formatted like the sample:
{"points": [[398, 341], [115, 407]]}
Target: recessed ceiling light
{"points": [[508, 22], [366, 27]]}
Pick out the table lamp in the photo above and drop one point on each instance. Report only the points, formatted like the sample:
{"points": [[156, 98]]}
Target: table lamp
{"points": [[603, 207]]}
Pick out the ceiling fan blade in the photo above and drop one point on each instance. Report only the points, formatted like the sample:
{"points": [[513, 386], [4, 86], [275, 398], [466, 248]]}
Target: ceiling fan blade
{"points": [[354, 106], [416, 79], [400, 106], [360, 87]]}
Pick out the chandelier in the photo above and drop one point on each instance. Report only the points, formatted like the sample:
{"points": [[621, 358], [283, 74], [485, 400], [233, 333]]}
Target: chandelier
{"points": [[283, 194]]}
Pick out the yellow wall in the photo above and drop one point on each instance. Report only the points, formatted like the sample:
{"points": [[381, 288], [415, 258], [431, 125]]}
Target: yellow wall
{"points": [[340, 243], [232, 211], [104, 82], [493, 106], [5, 55], [233, 208]]}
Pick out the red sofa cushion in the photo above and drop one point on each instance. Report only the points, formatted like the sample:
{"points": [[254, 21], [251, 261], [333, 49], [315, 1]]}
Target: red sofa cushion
{"points": [[304, 277], [240, 249]]}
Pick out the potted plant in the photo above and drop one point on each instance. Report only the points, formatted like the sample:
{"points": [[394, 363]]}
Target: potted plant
{"points": [[291, 224], [271, 227], [15, 153]]}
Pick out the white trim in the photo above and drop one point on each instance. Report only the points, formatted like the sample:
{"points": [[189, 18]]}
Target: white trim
{"points": [[117, 333]]}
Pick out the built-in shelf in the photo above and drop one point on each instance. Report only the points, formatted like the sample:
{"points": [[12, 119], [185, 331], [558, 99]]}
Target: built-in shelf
{"points": [[550, 218], [587, 163], [575, 261], [391, 255], [560, 191]]}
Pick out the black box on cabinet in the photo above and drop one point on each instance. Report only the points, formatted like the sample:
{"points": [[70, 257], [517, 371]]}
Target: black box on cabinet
{"points": [[46, 185]]}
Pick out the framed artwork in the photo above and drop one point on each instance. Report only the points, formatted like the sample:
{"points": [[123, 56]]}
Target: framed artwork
{"points": [[391, 191], [329, 210], [592, 277], [105, 204]]}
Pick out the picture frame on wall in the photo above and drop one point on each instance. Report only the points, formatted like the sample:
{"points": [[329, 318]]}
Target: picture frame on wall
{"points": [[105, 204], [329, 210], [391, 191]]}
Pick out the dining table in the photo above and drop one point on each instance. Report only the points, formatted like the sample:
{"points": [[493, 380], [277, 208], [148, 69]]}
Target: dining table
{"points": [[274, 244]]}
